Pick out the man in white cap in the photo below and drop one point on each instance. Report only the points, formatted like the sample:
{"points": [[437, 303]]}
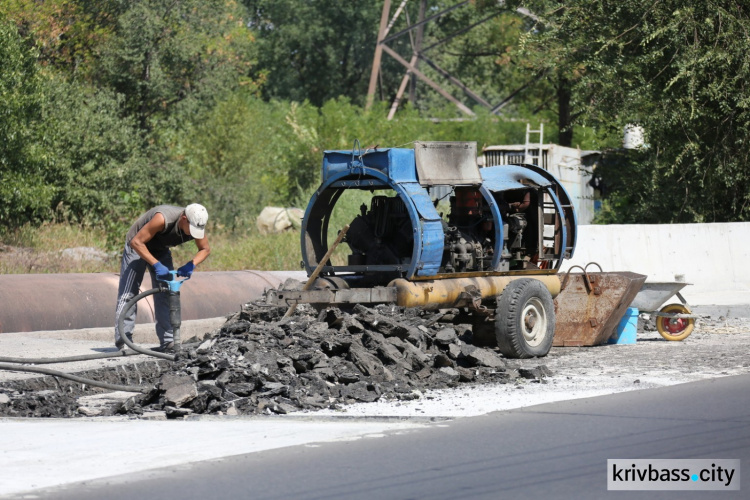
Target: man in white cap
{"points": [[147, 246]]}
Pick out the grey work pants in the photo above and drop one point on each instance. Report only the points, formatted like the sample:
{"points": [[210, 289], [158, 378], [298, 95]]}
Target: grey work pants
{"points": [[132, 270]]}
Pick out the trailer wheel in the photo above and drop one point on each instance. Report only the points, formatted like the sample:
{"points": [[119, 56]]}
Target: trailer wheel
{"points": [[525, 319], [675, 328]]}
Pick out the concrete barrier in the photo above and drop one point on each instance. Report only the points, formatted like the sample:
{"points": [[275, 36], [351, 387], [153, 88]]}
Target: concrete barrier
{"points": [[714, 258]]}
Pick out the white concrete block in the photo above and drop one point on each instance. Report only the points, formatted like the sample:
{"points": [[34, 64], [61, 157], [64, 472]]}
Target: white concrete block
{"points": [[714, 258]]}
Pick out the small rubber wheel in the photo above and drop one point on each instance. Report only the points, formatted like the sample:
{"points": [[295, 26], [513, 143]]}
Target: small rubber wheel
{"points": [[675, 328], [525, 319]]}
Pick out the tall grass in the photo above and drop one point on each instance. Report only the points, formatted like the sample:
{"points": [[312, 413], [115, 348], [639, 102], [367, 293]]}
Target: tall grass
{"points": [[249, 250], [40, 250]]}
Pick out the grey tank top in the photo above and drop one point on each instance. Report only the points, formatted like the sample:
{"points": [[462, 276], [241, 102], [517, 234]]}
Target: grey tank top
{"points": [[170, 237]]}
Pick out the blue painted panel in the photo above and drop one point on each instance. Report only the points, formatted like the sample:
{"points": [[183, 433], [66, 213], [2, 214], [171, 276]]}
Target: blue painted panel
{"points": [[403, 166], [422, 200], [366, 181], [505, 177], [426, 222], [396, 163], [430, 230], [432, 248]]}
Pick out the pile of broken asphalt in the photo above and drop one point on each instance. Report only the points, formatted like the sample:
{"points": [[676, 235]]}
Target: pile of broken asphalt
{"points": [[259, 362]]}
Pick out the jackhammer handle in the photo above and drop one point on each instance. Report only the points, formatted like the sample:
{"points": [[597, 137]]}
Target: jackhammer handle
{"points": [[174, 278], [319, 267]]}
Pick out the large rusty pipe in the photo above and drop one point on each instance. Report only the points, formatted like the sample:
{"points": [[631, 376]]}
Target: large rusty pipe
{"points": [[35, 302], [445, 293]]}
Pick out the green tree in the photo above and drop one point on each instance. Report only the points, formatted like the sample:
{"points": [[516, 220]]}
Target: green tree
{"points": [[69, 151], [23, 190], [236, 156], [96, 157], [315, 50], [169, 58], [65, 33], [676, 67]]}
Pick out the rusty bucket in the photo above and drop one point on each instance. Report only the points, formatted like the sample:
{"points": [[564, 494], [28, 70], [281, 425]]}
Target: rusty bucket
{"points": [[591, 305]]}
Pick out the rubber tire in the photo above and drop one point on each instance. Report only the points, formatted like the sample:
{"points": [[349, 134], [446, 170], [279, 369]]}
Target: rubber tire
{"points": [[662, 327], [510, 324]]}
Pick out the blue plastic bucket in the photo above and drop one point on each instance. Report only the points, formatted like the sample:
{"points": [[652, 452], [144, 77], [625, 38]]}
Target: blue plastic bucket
{"points": [[627, 330]]}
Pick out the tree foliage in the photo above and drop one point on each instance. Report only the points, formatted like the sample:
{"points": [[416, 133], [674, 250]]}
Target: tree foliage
{"points": [[166, 54], [96, 92], [112, 106], [24, 193], [679, 69], [245, 153], [65, 33], [314, 50], [96, 160]]}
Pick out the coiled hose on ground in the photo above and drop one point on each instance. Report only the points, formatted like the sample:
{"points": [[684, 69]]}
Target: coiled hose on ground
{"points": [[7, 363]]}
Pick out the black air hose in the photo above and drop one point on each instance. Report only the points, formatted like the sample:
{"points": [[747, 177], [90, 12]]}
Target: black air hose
{"points": [[121, 326], [83, 357], [5, 363], [75, 378]]}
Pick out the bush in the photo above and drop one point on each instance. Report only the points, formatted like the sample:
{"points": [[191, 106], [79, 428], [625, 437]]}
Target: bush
{"points": [[245, 154]]}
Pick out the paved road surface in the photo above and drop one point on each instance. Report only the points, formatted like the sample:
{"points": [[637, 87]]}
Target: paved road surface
{"points": [[557, 450]]}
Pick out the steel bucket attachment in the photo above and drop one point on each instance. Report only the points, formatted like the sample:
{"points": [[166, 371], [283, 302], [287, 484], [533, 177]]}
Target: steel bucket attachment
{"points": [[590, 306]]}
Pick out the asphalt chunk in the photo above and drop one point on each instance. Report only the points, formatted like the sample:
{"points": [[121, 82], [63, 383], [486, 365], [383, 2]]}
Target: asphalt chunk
{"points": [[259, 362]]}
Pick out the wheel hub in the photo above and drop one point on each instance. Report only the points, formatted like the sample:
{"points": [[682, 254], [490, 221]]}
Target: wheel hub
{"points": [[534, 322], [675, 325]]}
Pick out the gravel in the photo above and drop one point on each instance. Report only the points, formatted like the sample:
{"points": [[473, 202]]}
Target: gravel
{"points": [[718, 347], [375, 361]]}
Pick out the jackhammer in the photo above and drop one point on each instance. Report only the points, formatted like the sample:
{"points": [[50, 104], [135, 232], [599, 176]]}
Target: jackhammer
{"points": [[171, 287]]}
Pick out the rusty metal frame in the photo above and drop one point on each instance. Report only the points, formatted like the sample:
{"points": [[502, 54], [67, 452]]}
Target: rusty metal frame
{"points": [[588, 279]]}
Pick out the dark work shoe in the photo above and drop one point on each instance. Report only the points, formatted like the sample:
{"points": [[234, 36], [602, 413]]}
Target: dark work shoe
{"points": [[168, 347], [121, 345]]}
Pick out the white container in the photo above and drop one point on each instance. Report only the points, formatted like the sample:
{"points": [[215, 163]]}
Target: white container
{"points": [[632, 137]]}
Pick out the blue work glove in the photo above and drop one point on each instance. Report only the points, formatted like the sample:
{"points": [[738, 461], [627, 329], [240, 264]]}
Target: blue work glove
{"points": [[186, 270], [161, 271]]}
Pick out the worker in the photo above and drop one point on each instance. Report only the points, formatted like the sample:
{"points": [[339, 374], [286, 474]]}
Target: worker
{"points": [[147, 245], [523, 204], [514, 202]]}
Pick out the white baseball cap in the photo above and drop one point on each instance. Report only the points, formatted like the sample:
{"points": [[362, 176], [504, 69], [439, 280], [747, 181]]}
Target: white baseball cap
{"points": [[197, 216]]}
